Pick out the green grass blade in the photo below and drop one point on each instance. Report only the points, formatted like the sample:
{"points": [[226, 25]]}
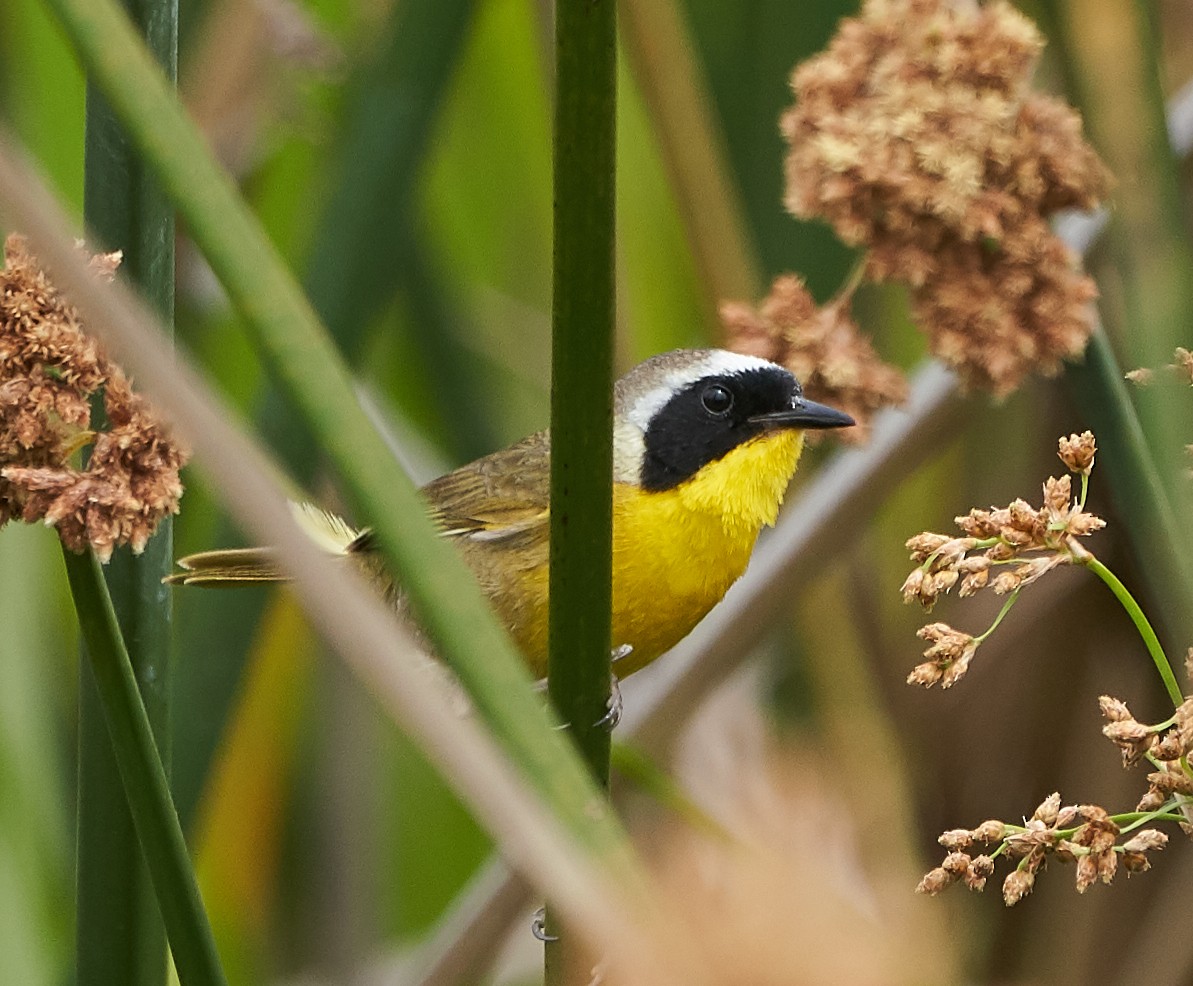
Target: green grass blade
{"points": [[367, 221], [1126, 464], [361, 253], [441, 590]]}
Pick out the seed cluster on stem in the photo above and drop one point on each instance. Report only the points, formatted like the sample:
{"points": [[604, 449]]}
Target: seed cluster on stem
{"points": [[1022, 543], [1004, 549], [50, 370]]}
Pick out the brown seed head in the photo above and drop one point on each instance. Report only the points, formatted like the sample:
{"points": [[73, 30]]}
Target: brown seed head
{"points": [[1017, 885], [925, 544], [1132, 737], [1023, 518], [979, 524], [1099, 831], [49, 371], [956, 863], [955, 838], [915, 134], [1077, 452], [974, 581], [991, 830], [822, 346], [925, 675], [1183, 363], [1146, 840], [1114, 709], [1067, 815], [1151, 801], [980, 868], [1081, 524], [912, 585], [1169, 746], [1183, 726], [1002, 551], [934, 881], [1037, 837], [1057, 493], [1048, 809], [936, 584], [1136, 862], [1171, 780], [1087, 872], [950, 652], [1007, 580]]}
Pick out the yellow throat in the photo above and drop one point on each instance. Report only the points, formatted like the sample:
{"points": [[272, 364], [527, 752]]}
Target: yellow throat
{"points": [[676, 551]]}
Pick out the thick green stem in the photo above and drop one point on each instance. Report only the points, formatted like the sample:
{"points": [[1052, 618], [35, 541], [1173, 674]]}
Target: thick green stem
{"points": [[144, 779], [582, 389], [1150, 639], [119, 934]]}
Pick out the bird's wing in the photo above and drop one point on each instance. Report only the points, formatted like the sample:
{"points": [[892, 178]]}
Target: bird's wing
{"points": [[503, 495]]}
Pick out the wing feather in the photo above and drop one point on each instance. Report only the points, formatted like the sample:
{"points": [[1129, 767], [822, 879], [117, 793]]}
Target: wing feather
{"points": [[503, 495]]}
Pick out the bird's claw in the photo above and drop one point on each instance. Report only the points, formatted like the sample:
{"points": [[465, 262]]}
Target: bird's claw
{"points": [[612, 717], [538, 926]]}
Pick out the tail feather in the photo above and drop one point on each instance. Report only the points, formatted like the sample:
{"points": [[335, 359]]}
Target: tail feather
{"points": [[228, 567], [233, 567]]}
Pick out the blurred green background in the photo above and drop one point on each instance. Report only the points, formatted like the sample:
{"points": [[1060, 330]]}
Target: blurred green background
{"points": [[399, 155]]}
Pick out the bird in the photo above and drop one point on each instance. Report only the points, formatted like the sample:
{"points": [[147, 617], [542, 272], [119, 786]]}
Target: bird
{"points": [[705, 443]]}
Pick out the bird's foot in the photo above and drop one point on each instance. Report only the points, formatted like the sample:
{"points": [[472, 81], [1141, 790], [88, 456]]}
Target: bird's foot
{"points": [[616, 706], [538, 926]]}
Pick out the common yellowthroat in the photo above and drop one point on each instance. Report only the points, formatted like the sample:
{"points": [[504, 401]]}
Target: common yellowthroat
{"points": [[704, 444]]}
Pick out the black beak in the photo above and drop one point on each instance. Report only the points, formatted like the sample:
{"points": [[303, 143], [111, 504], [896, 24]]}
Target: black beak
{"points": [[804, 414]]}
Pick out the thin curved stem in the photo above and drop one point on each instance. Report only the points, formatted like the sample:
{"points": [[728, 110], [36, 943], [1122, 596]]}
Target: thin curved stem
{"points": [[1159, 658], [1006, 608]]}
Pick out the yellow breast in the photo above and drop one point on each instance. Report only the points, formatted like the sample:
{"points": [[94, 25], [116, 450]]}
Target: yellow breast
{"points": [[676, 552]]}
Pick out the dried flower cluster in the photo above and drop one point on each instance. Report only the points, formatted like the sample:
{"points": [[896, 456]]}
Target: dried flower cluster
{"points": [[1089, 836], [1166, 746], [1004, 549], [822, 346], [1181, 367], [49, 371], [1083, 834], [915, 135]]}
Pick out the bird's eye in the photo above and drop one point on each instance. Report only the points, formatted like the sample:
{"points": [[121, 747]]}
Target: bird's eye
{"points": [[716, 399]]}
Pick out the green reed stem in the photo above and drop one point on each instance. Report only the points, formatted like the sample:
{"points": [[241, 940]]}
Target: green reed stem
{"points": [[1152, 642], [145, 786], [119, 934], [579, 665]]}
